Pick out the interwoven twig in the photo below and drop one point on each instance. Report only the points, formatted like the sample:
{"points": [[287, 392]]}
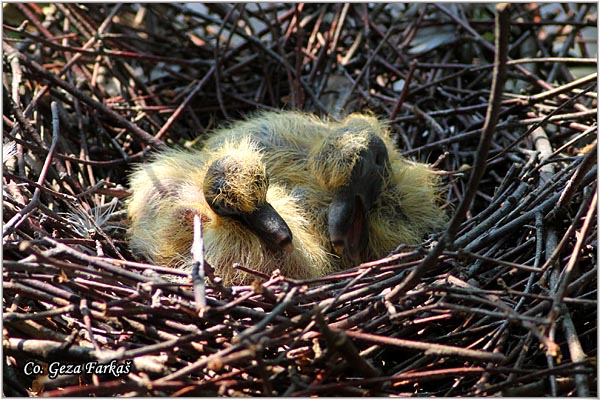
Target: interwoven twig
{"points": [[508, 307]]}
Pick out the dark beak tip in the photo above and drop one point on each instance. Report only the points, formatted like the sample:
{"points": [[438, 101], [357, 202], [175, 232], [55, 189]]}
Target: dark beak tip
{"points": [[339, 247], [287, 245]]}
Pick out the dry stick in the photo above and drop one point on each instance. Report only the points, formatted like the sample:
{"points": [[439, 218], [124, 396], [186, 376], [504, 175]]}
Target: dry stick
{"points": [[546, 172], [98, 262], [566, 237], [267, 387], [548, 206], [503, 193], [223, 357], [582, 135], [542, 144], [356, 318], [269, 295], [17, 76], [260, 44], [257, 329], [560, 117], [452, 139], [500, 338], [498, 79], [564, 88], [13, 316], [366, 66], [496, 261], [31, 17], [39, 149], [103, 389], [169, 344], [526, 60], [75, 18], [134, 129], [339, 25], [298, 49], [218, 61], [538, 388], [493, 300], [428, 348], [404, 92], [568, 43], [15, 221], [589, 160], [489, 222], [198, 267], [556, 283], [18, 178], [541, 122], [65, 68], [576, 351], [339, 341], [408, 377], [583, 281], [22, 122], [87, 320], [565, 277], [535, 377], [47, 349], [81, 51], [324, 305], [486, 44]]}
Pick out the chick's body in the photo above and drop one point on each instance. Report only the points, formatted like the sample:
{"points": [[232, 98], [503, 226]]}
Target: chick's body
{"points": [[318, 160], [174, 186]]}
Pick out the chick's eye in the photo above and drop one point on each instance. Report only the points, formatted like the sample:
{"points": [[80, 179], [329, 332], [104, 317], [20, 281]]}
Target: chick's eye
{"points": [[220, 208], [216, 206]]}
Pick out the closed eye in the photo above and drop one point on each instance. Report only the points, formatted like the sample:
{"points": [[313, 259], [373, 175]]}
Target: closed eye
{"points": [[221, 209]]}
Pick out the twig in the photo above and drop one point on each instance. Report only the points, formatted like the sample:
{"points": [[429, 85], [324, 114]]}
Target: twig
{"points": [[198, 267], [577, 353], [565, 277], [11, 225], [138, 132], [339, 341], [499, 76], [429, 348]]}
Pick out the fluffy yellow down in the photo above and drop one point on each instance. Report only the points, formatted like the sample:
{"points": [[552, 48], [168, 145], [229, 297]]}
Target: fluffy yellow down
{"points": [[167, 192], [407, 210], [313, 157], [241, 174]]}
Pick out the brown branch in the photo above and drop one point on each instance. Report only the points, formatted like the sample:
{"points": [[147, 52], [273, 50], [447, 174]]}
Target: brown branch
{"points": [[134, 129], [429, 348], [499, 76]]}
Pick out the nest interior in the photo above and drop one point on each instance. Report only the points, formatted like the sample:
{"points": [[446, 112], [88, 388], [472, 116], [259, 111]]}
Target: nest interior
{"points": [[501, 303]]}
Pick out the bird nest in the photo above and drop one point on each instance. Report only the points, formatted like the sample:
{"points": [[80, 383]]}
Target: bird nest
{"points": [[502, 302]]}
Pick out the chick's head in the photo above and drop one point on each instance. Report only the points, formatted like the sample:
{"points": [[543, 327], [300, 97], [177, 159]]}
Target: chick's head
{"points": [[235, 185], [352, 163]]}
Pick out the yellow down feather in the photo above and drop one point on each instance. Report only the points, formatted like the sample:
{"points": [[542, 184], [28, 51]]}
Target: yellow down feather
{"points": [[314, 157], [168, 191]]}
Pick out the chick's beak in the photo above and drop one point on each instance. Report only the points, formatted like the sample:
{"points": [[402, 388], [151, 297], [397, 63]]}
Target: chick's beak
{"points": [[348, 226], [338, 248], [270, 227]]}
